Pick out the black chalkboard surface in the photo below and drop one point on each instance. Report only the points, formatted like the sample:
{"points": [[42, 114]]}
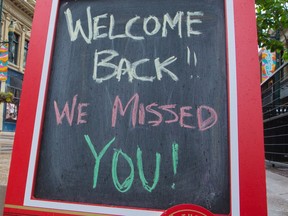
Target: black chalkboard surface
{"points": [[136, 110]]}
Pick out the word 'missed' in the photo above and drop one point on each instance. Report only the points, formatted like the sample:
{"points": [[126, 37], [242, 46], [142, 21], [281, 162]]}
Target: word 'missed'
{"points": [[158, 111], [206, 116]]}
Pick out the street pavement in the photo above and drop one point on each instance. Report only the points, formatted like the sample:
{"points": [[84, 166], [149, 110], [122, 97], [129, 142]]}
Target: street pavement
{"points": [[276, 180], [277, 190], [4, 171]]}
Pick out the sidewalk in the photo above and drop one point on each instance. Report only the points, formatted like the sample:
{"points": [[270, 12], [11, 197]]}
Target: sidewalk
{"points": [[277, 191], [276, 179], [4, 171]]}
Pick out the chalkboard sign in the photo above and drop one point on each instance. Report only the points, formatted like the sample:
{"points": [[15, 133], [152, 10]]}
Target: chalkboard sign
{"points": [[136, 111], [139, 108]]}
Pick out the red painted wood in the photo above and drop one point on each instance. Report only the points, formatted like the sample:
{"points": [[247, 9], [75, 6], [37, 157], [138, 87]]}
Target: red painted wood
{"points": [[25, 122], [251, 146]]}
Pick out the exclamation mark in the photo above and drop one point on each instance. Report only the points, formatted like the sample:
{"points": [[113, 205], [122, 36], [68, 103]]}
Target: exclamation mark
{"points": [[189, 60], [189, 57], [175, 148]]}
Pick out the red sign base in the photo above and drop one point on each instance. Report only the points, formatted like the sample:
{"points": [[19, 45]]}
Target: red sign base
{"points": [[187, 210]]}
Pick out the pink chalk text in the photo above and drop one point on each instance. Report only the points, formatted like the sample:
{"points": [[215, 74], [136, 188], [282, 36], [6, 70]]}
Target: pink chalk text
{"points": [[184, 116], [69, 114]]}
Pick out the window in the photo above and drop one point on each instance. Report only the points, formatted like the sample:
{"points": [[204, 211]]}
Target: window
{"points": [[284, 73], [25, 52], [13, 49], [15, 87]]}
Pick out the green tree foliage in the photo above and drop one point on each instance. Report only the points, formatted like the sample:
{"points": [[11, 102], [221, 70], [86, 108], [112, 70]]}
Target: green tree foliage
{"points": [[6, 97], [272, 23]]}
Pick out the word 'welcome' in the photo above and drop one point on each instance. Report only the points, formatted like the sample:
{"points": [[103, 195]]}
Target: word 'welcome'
{"points": [[151, 25]]}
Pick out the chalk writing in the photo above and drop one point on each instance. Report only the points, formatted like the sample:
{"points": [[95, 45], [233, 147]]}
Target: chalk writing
{"points": [[128, 182], [70, 114], [141, 172], [103, 59], [175, 160], [129, 68], [175, 148], [126, 185], [123, 105], [97, 157], [188, 55], [93, 27], [204, 123]]}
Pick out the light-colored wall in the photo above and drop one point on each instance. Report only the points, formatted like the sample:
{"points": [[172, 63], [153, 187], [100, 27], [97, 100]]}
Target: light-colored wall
{"points": [[21, 12]]}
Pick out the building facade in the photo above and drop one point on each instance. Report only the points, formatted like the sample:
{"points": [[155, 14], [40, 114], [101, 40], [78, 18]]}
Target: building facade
{"points": [[275, 109], [16, 24]]}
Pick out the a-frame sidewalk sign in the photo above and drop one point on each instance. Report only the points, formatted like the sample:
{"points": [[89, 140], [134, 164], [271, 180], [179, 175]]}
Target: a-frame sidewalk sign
{"points": [[136, 108]]}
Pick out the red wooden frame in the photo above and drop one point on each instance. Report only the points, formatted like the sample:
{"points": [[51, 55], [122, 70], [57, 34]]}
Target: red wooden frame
{"points": [[248, 191]]}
